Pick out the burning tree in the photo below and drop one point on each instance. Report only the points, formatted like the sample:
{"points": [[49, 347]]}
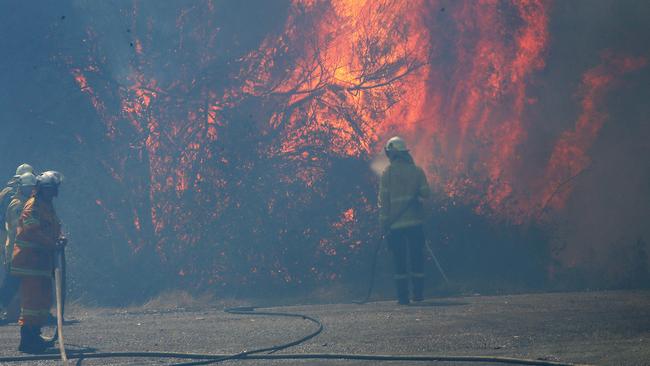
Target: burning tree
{"points": [[237, 158], [236, 138]]}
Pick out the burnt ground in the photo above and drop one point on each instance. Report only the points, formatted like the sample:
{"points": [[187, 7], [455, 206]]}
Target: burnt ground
{"points": [[604, 328]]}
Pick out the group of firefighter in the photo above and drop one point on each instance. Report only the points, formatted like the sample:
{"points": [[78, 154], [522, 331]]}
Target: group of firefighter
{"points": [[32, 233]]}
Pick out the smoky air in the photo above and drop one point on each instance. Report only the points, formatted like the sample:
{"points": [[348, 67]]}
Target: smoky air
{"points": [[234, 149]]}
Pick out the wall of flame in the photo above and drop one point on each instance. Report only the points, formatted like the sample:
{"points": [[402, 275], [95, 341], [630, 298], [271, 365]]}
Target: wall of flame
{"points": [[234, 141]]}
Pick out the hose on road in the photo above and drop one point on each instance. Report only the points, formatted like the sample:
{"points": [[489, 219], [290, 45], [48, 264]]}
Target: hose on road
{"points": [[212, 358], [257, 354], [272, 349]]}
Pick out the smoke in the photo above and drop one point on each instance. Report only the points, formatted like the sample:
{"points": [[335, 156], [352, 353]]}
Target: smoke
{"points": [[597, 231], [511, 125], [228, 145], [379, 163]]}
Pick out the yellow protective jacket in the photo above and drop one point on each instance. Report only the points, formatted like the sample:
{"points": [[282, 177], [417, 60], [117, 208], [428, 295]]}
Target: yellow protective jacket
{"points": [[12, 217], [400, 183], [6, 193], [38, 230]]}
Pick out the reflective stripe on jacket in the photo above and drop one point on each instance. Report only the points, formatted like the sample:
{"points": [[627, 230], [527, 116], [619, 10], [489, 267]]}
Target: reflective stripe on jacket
{"points": [[400, 183], [37, 232]]}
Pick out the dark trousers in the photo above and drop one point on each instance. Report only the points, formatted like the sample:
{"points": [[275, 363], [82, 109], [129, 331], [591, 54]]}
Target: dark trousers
{"points": [[407, 246]]}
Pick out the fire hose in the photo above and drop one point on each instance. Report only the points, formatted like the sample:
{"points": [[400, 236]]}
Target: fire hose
{"points": [[267, 353], [58, 284], [373, 269], [213, 358], [373, 266], [59, 291]]}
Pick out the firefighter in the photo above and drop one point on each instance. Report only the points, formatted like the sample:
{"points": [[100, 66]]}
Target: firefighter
{"points": [[6, 195], [10, 284], [403, 190], [37, 238]]}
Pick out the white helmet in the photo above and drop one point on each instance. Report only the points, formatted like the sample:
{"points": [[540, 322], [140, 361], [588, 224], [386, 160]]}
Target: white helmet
{"points": [[395, 144], [50, 178], [24, 168], [27, 180]]}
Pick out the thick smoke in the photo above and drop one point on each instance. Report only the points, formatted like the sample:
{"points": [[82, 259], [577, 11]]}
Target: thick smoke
{"points": [[231, 146], [516, 126], [601, 233]]}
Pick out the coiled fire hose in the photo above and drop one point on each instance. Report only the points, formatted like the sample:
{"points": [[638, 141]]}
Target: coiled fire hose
{"points": [[256, 354]]}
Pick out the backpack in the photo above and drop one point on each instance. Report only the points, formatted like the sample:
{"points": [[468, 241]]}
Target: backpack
{"points": [[6, 195]]}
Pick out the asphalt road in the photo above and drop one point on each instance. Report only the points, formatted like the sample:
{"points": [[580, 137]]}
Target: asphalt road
{"points": [[603, 328]]}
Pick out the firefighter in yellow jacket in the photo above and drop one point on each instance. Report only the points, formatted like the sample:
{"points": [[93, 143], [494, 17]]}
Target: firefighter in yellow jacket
{"points": [[6, 195], [37, 238], [10, 284], [403, 188], [27, 183]]}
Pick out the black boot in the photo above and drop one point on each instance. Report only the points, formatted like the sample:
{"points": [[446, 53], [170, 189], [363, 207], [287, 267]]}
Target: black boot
{"points": [[418, 288], [402, 285], [31, 341]]}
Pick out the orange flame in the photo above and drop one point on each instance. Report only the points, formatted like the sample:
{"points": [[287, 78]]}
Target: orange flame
{"points": [[570, 154], [340, 77]]}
